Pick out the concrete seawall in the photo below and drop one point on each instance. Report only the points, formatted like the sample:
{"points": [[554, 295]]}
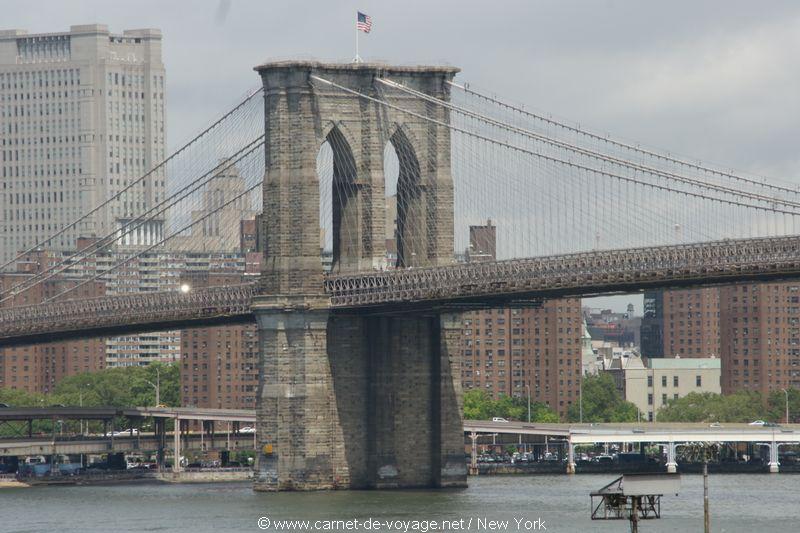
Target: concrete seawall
{"points": [[206, 476]]}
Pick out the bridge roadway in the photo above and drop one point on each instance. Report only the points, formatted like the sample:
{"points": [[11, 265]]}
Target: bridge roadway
{"points": [[144, 442], [670, 435], [468, 285]]}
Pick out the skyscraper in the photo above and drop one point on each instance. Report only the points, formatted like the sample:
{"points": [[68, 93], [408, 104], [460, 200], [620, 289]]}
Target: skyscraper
{"points": [[81, 116]]}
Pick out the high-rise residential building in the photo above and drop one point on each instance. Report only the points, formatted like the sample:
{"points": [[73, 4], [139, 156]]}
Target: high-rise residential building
{"points": [[753, 328], [216, 225], [219, 365], [508, 351], [39, 367], [482, 242], [515, 352], [681, 322], [81, 116], [760, 336]]}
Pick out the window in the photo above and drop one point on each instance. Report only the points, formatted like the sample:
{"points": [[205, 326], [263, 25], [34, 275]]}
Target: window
{"points": [[650, 381], [663, 381], [698, 381], [650, 399], [674, 381], [663, 399]]}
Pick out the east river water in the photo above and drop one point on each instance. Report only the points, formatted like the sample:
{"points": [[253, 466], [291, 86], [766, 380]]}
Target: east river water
{"points": [[739, 503]]}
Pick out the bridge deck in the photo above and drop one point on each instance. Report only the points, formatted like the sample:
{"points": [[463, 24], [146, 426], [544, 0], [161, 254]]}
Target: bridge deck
{"points": [[472, 284]]}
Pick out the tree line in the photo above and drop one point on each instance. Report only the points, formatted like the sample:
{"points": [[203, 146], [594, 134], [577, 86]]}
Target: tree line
{"points": [[112, 387]]}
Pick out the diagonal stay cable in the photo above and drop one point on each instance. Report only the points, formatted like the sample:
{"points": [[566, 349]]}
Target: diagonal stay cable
{"points": [[154, 245], [108, 239], [547, 157], [134, 182]]}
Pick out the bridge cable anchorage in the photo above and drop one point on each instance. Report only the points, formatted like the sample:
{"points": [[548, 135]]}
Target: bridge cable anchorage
{"points": [[590, 153], [540, 155], [763, 183], [159, 243], [135, 223], [130, 186]]}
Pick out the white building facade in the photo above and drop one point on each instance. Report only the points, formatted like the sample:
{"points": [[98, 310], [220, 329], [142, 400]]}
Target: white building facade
{"points": [[654, 382], [81, 116]]}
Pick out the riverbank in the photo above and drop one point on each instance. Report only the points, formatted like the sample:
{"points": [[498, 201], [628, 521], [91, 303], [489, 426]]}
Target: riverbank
{"points": [[132, 477]]}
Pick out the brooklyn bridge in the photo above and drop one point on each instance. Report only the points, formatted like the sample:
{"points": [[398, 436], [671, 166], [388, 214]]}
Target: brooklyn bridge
{"points": [[359, 358]]}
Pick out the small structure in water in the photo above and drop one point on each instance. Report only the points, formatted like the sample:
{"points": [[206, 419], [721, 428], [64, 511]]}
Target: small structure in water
{"points": [[633, 497]]}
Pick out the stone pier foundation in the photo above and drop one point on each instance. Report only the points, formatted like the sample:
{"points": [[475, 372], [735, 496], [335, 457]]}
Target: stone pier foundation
{"points": [[359, 402]]}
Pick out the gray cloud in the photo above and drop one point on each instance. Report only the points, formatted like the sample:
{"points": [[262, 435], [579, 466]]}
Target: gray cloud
{"points": [[715, 80]]}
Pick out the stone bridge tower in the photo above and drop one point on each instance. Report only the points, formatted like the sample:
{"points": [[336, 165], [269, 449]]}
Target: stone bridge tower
{"points": [[349, 400]]}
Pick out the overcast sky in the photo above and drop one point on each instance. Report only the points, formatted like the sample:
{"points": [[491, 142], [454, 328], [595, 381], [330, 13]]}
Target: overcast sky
{"points": [[714, 80]]}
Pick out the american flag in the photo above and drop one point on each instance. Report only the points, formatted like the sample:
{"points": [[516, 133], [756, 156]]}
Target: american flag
{"points": [[364, 22]]}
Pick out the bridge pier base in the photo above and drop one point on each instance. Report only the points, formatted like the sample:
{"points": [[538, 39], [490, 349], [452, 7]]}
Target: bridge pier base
{"points": [[347, 401], [672, 464], [774, 465], [570, 458]]}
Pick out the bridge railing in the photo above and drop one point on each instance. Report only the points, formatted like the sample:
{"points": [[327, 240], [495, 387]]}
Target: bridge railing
{"points": [[718, 259], [585, 272], [128, 309]]}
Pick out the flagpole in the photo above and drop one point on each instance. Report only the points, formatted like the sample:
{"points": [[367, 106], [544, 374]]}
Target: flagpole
{"points": [[357, 59]]}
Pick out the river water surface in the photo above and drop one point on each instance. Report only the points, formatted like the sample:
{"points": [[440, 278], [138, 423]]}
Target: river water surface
{"points": [[739, 503]]}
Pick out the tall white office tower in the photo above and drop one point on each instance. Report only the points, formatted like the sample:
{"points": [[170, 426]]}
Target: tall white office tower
{"points": [[81, 115]]}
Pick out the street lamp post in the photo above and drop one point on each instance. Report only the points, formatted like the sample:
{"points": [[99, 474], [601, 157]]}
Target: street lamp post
{"points": [[786, 392], [528, 388], [580, 398], [156, 386]]}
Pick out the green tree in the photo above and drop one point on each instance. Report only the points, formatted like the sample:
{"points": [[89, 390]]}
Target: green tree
{"points": [[776, 405], [478, 405], [742, 406], [21, 398], [602, 402], [121, 387]]}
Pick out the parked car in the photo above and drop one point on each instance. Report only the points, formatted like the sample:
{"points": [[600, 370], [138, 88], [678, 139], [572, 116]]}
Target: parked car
{"points": [[122, 433], [757, 423], [499, 419], [247, 429]]}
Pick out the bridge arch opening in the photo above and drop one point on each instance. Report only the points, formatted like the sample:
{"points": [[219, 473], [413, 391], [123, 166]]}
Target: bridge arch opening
{"points": [[405, 213], [339, 211]]}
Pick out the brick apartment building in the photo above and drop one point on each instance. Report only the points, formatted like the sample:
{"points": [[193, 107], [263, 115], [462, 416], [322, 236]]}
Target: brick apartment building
{"points": [[38, 368], [219, 365], [681, 322], [754, 328], [514, 351], [760, 336]]}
